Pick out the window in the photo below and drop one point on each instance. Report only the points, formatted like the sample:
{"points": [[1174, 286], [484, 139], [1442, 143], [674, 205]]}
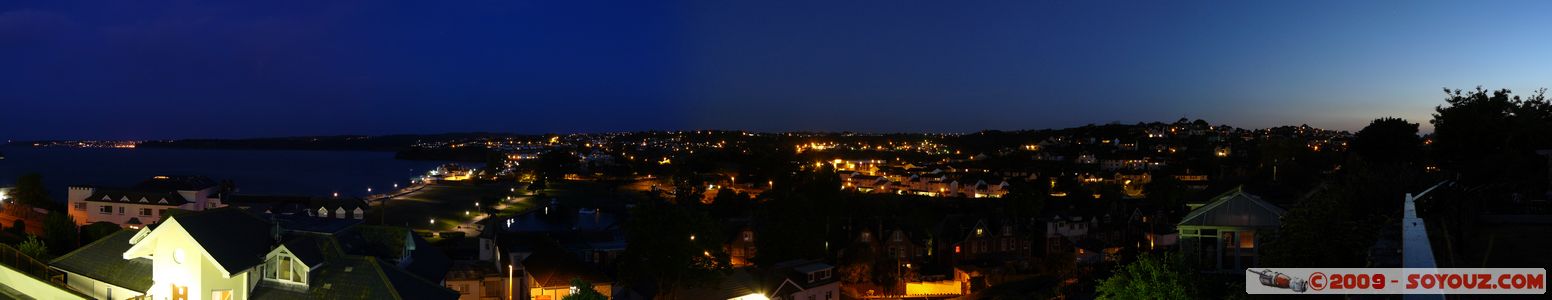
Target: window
{"points": [[80, 206], [828, 295], [145, 212], [748, 236], [121, 210], [105, 209], [221, 295], [285, 268], [161, 212]]}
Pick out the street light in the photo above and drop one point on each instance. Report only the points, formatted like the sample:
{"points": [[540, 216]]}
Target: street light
{"points": [[369, 189]]}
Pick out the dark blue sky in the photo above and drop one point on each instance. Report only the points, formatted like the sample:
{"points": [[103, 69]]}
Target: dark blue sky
{"points": [[166, 69]]}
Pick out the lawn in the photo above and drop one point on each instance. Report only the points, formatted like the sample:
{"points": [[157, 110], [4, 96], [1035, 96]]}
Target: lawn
{"points": [[449, 206]]}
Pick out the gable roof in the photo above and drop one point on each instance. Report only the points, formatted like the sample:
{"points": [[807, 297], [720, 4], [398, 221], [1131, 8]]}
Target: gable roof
{"points": [[235, 239], [102, 260], [1235, 208], [111, 195]]}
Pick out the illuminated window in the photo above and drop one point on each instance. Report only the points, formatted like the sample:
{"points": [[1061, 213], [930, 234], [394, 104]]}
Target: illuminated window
{"points": [[285, 268]]}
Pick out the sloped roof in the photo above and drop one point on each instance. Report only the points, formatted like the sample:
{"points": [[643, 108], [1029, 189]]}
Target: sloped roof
{"points": [[1235, 208], [103, 260], [236, 239], [111, 195], [552, 266]]}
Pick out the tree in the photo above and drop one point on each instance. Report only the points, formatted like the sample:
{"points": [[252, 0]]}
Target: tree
{"points": [[729, 204], [60, 231], [671, 246], [1491, 138], [584, 290], [29, 190], [1152, 276], [32, 247], [1388, 141], [1165, 190], [95, 231]]}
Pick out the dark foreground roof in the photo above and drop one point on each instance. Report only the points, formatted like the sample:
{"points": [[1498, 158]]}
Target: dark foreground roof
{"points": [[236, 239], [552, 266], [103, 260]]}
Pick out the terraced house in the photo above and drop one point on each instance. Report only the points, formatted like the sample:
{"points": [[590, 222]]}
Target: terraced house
{"points": [[230, 253], [143, 204]]}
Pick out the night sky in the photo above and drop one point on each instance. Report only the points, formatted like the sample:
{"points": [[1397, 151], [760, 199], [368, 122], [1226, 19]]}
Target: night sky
{"points": [[176, 69]]}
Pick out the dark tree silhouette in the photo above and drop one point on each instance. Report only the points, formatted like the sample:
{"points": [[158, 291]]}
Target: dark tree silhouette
{"points": [[1388, 140]]}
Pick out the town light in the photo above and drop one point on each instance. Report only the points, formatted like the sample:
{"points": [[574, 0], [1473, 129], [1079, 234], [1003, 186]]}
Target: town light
{"points": [[752, 296], [692, 237], [336, 194], [369, 189]]}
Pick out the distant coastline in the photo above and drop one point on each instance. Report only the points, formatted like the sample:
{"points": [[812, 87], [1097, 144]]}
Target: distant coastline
{"points": [[404, 147]]}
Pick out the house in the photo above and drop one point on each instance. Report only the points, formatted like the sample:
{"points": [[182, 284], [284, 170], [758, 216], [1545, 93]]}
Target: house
{"points": [[789, 280], [741, 248], [477, 280], [230, 253], [339, 208], [548, 271], [805, 280], [142, 204], [1221, 235]]}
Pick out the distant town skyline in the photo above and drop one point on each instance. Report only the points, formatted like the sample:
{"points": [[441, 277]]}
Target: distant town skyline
{"points": [[239, 69]]}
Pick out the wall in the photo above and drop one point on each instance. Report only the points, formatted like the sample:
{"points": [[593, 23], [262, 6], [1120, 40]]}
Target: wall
{"points": [[32, 287], [97, 289]]}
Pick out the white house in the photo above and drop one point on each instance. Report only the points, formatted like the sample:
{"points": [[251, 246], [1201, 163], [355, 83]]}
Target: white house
{"points": [[143, 204], [229, 253]]}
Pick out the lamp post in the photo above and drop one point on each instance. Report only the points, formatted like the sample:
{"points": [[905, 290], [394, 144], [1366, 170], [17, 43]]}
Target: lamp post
{"points": [[509, 282]]}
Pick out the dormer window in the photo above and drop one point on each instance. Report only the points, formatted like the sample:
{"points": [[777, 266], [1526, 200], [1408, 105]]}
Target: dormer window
{"points": [[748, 236]]}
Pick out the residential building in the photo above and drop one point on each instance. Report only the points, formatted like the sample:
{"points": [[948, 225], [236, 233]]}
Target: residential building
{"points": [[1222, 235], [142, 204], [231, 253]]}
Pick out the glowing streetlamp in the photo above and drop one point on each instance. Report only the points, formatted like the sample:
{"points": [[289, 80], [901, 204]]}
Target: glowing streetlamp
{"points": [[336, 194], [369, 189]]}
